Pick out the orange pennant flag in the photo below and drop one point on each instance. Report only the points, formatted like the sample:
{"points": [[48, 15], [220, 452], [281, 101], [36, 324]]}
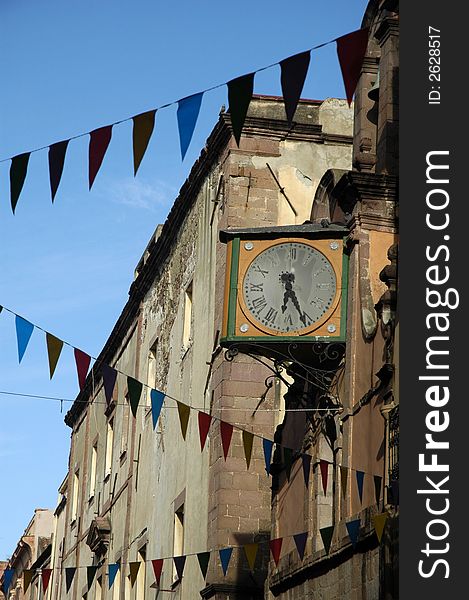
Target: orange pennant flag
{"points": [[184, 412], [54, 348], [134, 567], [248, 439], [379, 521], [27, 577], [143, 128], [251, 553]]}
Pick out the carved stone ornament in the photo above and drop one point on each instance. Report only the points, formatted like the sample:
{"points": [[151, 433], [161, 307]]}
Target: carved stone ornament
{"points": [[99, 535]]}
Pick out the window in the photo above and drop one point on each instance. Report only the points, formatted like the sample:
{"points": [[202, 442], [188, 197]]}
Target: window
{"points": [[187, 329], [151, 373], [76, 485], [125, 425], [109, 446], [94, 460], [141, 575], [178, 544]]}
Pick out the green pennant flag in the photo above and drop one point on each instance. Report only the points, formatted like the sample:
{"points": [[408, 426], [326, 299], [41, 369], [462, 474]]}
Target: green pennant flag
{"points": [[248, 439], [377, 480], [18, 170], [134, 388], [326, 534], [239, 97], [134, 567], [54, 348], [90, 573], [184, 412], [203, 558], [379, 521]]}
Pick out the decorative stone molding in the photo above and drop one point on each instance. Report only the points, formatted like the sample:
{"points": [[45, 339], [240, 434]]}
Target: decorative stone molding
{"points": [[99, 535]]}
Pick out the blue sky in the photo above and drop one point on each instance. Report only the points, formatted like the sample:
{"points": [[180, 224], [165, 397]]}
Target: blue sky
{"points": [[67, 68]]}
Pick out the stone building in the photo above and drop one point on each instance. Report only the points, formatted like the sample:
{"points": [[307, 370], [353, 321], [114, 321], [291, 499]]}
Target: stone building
{"points": [[133, 493], [31, 552], [363, 435]]}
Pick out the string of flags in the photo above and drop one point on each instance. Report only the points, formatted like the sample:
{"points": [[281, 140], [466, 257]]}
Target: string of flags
{"points": [[24, 331], [249, 550], [351, 50]]}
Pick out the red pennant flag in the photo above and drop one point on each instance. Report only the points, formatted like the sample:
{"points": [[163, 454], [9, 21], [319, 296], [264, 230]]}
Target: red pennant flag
{"points": [[204, 427], [46, 573], [99, 142], [324, 466], [226, 431], [157, 568], [275, 548], [56, 165], [351, 49], [82, 361], [293, 74]]}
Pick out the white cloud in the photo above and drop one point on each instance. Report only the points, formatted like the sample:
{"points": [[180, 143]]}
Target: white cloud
{"points": [[139, 194]]}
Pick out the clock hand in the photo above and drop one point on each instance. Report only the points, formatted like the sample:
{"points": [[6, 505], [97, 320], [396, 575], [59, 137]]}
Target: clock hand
{"points": [[288, 279]]}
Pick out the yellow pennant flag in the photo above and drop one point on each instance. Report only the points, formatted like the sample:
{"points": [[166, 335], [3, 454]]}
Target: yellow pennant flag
{"points": [[248, 439], [143, 128], [54, 348], [251, 553], [134, 567], [379, 521], [184, 412], [27, 577]]}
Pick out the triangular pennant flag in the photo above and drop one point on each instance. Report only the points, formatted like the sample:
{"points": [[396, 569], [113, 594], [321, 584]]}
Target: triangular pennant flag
{"points": [[46, 573], [306, 460], [54, 348], [27, 577], [90, 573], [204, 427], [179, 562], [377, 480], [239, 97], [251, 552], [225, 557], [56, 165], [7, 577], [203, 558], [82, 360], [288, 461], [184, 412], [99, 142], [351, 50], [379, 521], [226, 431], [293, 74], [276, 548], [18, 170], [267, 446], [157, 399], [300, 543], [248, 439], [69, 575], [24, 330], [326, 534], [360, 478], [343, 479], [142, 130], [133, 567], [157, 568], [113, 569], [187, 113], [324, 466], [395, 492], [109, 381], [353, 529], [134, 388]]}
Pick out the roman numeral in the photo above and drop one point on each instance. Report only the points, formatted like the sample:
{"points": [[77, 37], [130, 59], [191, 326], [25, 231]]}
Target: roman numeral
{"points": [[259, 303], [256, 287], [288, 320], [293, 253], [271, 315], [306, 319], [259, 270]]}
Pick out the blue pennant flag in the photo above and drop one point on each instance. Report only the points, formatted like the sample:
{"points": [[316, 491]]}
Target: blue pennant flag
{"points": [[225, 557], [24, 330], [7, 577], [268, 445], [187, 113], [353, 529], [157, 399], [300, 543], [360, 477], [113, 569]]}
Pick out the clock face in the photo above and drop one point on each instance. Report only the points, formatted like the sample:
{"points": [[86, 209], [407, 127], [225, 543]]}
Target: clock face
{"points": [[289, 287]]}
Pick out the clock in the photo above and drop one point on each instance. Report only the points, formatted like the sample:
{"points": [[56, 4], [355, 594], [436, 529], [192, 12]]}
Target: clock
{"points": [[285, 284]]}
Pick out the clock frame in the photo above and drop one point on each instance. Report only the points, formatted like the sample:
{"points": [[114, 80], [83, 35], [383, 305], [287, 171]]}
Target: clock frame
{"points": [[244, 246]]}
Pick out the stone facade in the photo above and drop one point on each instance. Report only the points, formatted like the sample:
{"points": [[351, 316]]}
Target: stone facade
{"points": [[364, 200], [134, 493]]}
